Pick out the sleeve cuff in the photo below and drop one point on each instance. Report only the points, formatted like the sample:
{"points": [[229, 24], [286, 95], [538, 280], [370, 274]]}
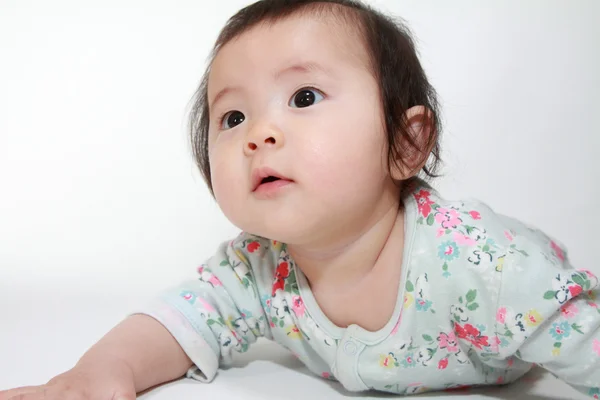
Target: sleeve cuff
{"points": [[192, 334]]}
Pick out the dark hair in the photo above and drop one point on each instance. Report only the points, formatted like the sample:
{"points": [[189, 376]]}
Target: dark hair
{"points": [[393, 61]]}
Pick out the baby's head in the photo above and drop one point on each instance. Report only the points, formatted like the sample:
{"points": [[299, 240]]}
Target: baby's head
{"points": [[330, 96]]}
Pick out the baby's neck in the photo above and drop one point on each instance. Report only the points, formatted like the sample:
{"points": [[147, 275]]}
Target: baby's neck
{"points": [[349, 263]]}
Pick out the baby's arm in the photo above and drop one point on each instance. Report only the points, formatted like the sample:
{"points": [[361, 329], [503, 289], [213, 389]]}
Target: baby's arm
{"points": [[547, 311], [569, 344], [136, 354], [199, 324], [221, 312], [143, 345]]}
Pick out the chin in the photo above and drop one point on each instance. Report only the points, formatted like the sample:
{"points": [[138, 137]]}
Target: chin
{"points": [[283, 224], [288, 232], [280, 235]]}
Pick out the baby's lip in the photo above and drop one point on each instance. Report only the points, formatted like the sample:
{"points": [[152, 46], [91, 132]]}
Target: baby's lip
{"points": [[258, 174]]}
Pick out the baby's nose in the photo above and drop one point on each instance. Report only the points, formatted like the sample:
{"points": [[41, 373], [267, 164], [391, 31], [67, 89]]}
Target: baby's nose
{"points": [[263, 137], [253, 146]]}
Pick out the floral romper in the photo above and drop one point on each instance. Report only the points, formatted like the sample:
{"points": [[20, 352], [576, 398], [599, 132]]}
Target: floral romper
{"points": [[482, 298]]}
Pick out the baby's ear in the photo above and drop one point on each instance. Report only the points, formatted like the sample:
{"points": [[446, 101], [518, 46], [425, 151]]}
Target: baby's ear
{"points": [[412, 154]]}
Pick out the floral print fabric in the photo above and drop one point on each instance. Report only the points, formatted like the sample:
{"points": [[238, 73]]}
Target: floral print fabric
{"points": [[483, 298]]}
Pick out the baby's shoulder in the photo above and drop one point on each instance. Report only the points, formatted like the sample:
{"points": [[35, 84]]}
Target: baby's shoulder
{"points": [[247, 259], [480, 258], [467, 242], [471, 222]]}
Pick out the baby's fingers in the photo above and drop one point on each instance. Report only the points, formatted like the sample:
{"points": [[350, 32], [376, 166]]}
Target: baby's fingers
{"points": [[23, 393]]}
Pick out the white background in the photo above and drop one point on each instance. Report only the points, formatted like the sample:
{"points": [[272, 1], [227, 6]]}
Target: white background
{"points": [[98, 192]]}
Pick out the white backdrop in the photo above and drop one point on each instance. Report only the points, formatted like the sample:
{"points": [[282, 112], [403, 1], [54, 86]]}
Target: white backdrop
{"points": [[98, 192], [101, 206]]}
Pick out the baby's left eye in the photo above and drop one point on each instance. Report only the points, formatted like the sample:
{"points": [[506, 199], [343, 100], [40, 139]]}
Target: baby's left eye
{"points": [[305, 97]]}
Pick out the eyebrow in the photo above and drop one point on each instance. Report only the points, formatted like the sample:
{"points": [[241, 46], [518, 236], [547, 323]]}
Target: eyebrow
{"points": [[303, 68], [222, 93], [308, 67]]}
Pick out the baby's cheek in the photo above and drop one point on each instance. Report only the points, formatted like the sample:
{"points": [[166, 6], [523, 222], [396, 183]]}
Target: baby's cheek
{"points": [[218, 177], [225, 182]]}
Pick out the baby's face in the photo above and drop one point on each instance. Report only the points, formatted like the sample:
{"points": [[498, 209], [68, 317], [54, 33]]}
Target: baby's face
{"points": [[299, 103]]}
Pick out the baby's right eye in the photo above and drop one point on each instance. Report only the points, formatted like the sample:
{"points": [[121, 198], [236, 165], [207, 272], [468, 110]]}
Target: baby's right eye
{"points": [[232, 119]]}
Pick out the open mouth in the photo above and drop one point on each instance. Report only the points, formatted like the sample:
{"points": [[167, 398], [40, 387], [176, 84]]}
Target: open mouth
{"points": [[269, 179], [266, 179]]}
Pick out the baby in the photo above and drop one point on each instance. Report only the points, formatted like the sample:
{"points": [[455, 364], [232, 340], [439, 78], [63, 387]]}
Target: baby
{"points": [[314, 127]]}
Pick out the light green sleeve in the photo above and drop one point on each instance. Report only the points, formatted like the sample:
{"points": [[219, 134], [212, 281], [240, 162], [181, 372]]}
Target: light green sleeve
{"points": [[216, 314], [548, 313]]}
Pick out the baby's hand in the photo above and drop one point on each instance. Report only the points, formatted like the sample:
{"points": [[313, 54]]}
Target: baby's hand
{"points": [[114, 382]]}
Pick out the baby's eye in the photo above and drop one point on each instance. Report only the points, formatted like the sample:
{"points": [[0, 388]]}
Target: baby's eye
{"points": [[232, 119], [305, 97]]}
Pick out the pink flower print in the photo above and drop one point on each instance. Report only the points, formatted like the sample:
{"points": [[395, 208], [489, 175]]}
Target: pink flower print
{"points": [[589, 273], [215, 281], [443, 363], [424, 202], [253, 246], [557, 251], [448, 218], [508, 235], [500, 380], [501, 315], [205, 304], [298, 306], [495, 343], [464, 240], [472, 334], [448, 342], [592, 304], [575, 290], [475, 214], [207, 276], [326, 375], [596, 346], [440, 232], [569, 310], [282, 272]]}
